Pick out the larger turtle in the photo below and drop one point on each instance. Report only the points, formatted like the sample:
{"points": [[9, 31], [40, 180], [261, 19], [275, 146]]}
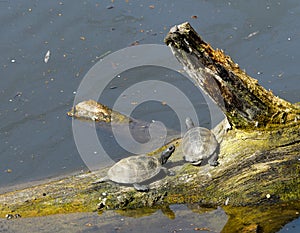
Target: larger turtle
{"points": [[199, 144], [138, 169]]}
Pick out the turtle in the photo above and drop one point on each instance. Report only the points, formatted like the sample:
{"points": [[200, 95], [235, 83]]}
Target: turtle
{"points": [[138, 169], [199, 144]]}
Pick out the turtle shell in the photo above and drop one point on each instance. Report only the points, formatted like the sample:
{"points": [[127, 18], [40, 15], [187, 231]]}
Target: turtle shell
{"points": [[198, 143], [134, 169], [91, 110]]}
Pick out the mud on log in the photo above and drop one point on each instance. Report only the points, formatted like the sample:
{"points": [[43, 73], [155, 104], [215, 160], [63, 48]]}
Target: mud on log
{"points": [[259, 156]]}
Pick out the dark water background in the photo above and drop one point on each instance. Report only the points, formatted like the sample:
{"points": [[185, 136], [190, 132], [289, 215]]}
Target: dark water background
{"points": [[35, 134]]}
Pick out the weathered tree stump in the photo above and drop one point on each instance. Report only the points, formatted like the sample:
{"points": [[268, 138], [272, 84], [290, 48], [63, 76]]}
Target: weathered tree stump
{"points": [[259, 156], [245, 103]]}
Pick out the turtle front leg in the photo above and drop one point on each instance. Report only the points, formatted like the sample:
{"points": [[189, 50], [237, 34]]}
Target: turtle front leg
{"points": [[141, 188], [213, 161], [168, 172], [101, 180]]}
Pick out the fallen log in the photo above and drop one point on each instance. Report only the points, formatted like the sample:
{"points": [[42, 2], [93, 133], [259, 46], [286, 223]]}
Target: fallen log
{"points": [[259, 155]]}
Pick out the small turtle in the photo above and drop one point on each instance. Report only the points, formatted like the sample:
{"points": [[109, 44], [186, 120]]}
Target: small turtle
{"points": [[137, 169], [198, 144]]}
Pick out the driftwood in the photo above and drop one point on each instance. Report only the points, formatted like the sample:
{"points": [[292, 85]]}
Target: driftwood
{"points": [[258, 175]]}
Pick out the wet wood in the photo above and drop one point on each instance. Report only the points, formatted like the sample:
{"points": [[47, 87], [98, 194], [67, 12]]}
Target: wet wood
{"points": [[259, 156]]}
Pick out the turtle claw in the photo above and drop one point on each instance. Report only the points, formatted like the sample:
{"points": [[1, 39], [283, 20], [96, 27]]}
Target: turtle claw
{"points": [[141, 188], [214, 160], [171, 173], [101, 180], [168, 172], [213, 163]]}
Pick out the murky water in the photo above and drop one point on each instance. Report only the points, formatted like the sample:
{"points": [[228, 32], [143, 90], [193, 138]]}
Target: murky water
{"points": [[36, 138], [179, 219]]}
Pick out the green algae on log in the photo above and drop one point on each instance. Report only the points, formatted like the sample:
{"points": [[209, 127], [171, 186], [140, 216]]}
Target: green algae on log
{"points": [[259, 156]]}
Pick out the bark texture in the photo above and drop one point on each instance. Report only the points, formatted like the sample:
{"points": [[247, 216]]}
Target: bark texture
{"points": [[245, 103]]}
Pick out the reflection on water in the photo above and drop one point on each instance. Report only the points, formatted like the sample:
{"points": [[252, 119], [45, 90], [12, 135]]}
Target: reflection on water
{"points": [[177, 218], [292, 227]]}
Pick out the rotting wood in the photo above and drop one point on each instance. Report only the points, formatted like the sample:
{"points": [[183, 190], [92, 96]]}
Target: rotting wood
{"points": [[245, 103]]}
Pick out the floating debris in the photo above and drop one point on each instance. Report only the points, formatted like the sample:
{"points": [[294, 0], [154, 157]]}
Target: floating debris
{"points": [[18, 94], [135, 43], [194, 17], [110, 7], [201, 229], [251, 35], [103, 55], [280, 75], [151, 6], [47, 56], [13, 60], [82, 38]]}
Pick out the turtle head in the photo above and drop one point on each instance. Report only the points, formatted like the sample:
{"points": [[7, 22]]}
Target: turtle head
{"points": [[165, 155], [189, 123]]}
